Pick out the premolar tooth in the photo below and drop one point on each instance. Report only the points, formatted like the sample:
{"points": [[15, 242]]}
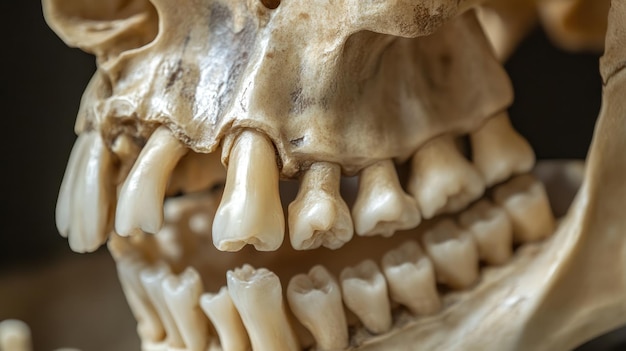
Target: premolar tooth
{"points": [[14, 336], [319, 216], [365, 293], [382, 207], [224, 316], [250, 211], [315, 299]]}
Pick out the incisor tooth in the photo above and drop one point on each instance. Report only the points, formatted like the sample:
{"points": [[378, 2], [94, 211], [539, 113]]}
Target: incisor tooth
{"points": [[64, 202], [250, 211], [315, 299], [224, 316], [411, 279], [14, 336], [319, 216], [381, 206]]}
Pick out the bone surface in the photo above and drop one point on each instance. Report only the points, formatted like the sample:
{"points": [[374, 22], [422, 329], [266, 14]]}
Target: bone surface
{"points": [[225, 318]]}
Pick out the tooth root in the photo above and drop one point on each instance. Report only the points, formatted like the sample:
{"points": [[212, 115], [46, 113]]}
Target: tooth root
{"points": [[140, 206], [365, 293], [411, 278], [442, 180], [382, 207], [196, 172], [257, 295], [74, 165], [250, 211], [15, 336], [224, 316], [315, 299], [319, 216]]}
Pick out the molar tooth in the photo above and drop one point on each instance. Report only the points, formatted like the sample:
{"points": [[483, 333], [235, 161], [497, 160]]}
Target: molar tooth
{"points": [[224, 316], [319, 216], [250, 211], [14, 336]]}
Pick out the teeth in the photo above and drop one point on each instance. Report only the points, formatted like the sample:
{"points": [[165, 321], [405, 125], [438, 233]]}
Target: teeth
{"points": [[442, 180], [365, 293], [250, 211], [140, 207], [498, 151], [196, 172], [14, 336], [525, 201], [491, 229], [315, 299], [411, 278], [319, 216], [258, 296], [382, 207], [454, 254], [64, 203], [224, 316]]}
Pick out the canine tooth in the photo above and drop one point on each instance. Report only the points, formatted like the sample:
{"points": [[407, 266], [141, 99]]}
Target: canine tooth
{"points": [[453, 253], [365, 293], [382, 207], [442, 180], [64, 202], [250, 211], [411, 279], [14, 336], [224, 316], [315, 299], [319, 216], [491, 229]]}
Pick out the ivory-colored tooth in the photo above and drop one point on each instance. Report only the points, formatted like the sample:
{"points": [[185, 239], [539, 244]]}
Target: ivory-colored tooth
{"points": [[453, 253], [381, 206], [411, 278], [15, 336], [140, 206], [226, 320], [196, 172], [491, 229], [315, 299], [526, 203], [250, 211], [499, 151], [319, 216], [258, 296], [365, 293], [63, 212], [442, 180]]}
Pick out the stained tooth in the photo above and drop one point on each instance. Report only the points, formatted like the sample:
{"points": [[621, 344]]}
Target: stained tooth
{"points": [[224, 316], [258, 296], [196, 172], [382, 207], [14, 336], [442, 180], [64, 202], [250, 211], [140, 207], [365, 293], [319, 216], [411, 279], [315, 299]]}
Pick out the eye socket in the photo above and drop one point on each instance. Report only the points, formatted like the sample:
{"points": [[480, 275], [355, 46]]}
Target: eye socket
{"points": [[270, 4]]}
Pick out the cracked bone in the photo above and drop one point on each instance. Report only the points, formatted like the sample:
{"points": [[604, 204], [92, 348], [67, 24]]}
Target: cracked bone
{"points": [[225, 318]]}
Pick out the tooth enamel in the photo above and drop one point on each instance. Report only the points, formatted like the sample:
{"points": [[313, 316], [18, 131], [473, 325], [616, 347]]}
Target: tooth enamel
{"points": [[258, 296], [64, 206], [491, 229], [315, 299], [442, 180], [525, 201], [196, 172], [453, 253], [382, 207], [411, 279], [319, 216], [224, 316], [250, 211], [140, 206], [365, 293], [14, 336]]}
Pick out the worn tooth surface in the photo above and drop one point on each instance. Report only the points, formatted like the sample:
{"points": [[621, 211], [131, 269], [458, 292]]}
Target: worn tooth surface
{"points": [[75, 164], [319, 216], [315, 299], [15, 336], [257, 294], [226, 320], [250, 211], [442, 180], [365, 293], [196, 172], [381, 206], [140, 206], [411, 278]]}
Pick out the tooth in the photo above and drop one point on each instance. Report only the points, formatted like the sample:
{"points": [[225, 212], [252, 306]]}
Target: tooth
{"points": [[196, 172], [453, 253], [442, 180], [319, 216], [250, 211], [258, 296], [14, 336], [411, 279], [382, 207], [140, 207], [365, 293], [491, 229], [525, 201], [315, 299], [224, 316], [64, 206]]}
